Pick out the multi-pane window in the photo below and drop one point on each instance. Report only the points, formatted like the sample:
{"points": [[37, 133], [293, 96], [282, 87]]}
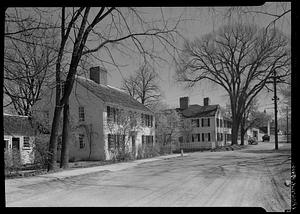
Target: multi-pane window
{"points": [[81, 114], [115, 141], [112, 114], [205, 122], [26, 143], [206, 137], [147, 139], [195, 137], [81, 141], [147, 120], [195, 123]]}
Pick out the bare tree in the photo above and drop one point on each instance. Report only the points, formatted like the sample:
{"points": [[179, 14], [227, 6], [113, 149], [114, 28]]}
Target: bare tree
{"points": [[110, 27], [143, 86], [241, 59], [167, 127], [28, 63]]}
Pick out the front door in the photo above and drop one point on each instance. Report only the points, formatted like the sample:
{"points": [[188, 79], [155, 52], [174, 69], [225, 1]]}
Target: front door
{"points": [[16, 156]]}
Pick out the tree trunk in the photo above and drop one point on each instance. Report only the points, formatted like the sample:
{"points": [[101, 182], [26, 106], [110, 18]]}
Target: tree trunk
{"points": [[53, 139], [234, 132], [242, 133], [64, 160]]}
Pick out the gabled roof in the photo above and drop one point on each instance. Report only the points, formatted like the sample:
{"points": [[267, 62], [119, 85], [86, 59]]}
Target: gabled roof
{"points": [[200, 111], [17, 125], [111, 94]]}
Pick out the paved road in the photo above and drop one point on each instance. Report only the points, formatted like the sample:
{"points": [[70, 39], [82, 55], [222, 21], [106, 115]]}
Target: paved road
{"points": [[249, 177]]}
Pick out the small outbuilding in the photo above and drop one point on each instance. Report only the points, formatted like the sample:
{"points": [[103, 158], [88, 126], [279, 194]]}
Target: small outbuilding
{"points": [[19, 136]]}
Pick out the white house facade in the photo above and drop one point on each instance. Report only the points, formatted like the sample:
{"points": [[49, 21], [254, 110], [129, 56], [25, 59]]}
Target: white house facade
{"points": [[95, 112], [209, 127]]}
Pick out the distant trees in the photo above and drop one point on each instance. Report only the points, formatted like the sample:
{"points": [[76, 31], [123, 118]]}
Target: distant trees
{"points": [[240, 58], [143, 86]]}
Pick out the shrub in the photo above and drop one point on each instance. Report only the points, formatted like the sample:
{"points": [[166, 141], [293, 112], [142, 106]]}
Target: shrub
{"points": [[40, 151], [12, 162]]}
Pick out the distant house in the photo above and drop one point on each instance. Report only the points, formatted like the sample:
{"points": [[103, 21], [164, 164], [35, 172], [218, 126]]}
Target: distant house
{"points": [[203, 127], [98, 115], [19, 138]]}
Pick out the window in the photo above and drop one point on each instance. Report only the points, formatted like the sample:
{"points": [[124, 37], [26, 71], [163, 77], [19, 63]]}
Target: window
{"points": [[147, 120], [81, 141], [205, 122], [26, 144], [195, 123], [221, 123], [206, 137], [195, 137], [112, 114], [147, 139], [81, 114], [217, 122]]}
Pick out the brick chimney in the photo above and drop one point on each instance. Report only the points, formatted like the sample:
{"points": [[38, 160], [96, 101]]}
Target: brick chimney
{"points": [[98, 75], [184, 102], [206, 101]]}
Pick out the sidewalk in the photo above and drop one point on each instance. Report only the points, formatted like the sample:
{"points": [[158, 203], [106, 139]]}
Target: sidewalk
{"points": [[82, 171]]}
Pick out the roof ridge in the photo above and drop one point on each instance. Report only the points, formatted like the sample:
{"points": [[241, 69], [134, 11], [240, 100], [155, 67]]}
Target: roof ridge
{"points": [[116, 94]]}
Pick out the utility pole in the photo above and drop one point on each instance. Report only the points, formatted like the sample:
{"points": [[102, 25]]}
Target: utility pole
{"points": [[275, 106]]}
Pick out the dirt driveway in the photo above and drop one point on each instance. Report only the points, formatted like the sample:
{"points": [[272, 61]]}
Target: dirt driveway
{"points": [[250, 177]]}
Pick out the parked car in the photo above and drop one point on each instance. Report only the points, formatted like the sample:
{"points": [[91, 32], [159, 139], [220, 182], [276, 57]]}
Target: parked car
{"points": [[252, 141], [266, 138]]}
